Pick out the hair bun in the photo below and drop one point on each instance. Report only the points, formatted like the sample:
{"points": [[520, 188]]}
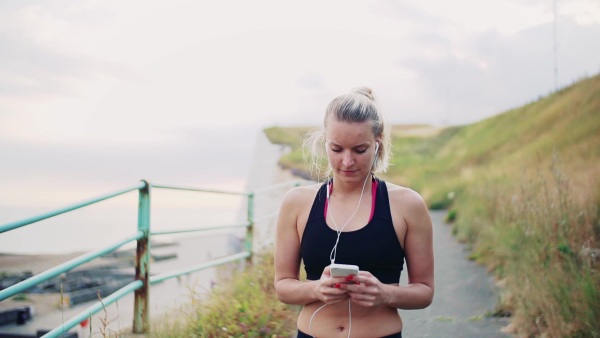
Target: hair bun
{"points": [[366, 91]]}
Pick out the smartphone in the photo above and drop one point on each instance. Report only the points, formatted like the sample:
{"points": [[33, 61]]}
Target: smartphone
{"points": [[343, 270]]}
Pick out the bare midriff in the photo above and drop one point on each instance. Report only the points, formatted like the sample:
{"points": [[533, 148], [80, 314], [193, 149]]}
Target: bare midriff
{"points": [[334, 321]]}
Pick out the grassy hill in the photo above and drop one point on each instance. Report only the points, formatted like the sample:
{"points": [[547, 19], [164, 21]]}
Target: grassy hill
{"points": [[523, 190]]}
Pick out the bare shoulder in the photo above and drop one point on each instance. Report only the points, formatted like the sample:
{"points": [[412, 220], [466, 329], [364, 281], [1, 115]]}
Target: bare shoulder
{"points": [[298, 196], [409, 205], [403, 196], [296, 205]]}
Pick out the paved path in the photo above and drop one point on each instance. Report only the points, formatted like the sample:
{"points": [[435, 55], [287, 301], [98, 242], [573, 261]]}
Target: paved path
{"points": [[464, 294]]}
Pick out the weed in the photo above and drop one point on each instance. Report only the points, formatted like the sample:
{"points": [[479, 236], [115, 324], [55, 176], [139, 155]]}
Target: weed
{"points": [[242, 304], [444, 319], [20, 297], [451, 216], [104, 329]]}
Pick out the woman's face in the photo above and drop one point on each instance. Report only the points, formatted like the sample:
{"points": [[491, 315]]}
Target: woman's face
{"points": [[350, 149]]}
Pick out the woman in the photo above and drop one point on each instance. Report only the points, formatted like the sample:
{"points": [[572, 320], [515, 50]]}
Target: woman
{"points": [[353, 218]]}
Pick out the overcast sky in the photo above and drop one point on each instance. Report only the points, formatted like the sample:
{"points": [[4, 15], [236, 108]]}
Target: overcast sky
{"points": [[99, 94]]}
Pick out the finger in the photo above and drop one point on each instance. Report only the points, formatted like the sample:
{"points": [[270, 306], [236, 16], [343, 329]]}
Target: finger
{"points": [[335, 295], [335, 289], [340, 279], [365, 273], [327, 271], [352, 280]]}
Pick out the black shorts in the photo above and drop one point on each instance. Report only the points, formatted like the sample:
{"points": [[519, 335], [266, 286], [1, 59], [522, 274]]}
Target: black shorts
{"points": [[304, 335]]}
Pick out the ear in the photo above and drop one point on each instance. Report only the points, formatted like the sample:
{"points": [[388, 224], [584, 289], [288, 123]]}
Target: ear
{"points": [[379, 141]]}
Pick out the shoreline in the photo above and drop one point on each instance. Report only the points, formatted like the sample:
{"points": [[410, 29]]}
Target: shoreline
{"points": [[36, 263]]}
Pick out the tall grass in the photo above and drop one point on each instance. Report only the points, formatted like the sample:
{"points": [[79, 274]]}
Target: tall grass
{"points": [[542, 239], [242, 304]]}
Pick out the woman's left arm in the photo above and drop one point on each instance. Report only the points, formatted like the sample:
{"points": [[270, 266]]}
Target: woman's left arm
{"points": [[418, 251], [408, 207]]}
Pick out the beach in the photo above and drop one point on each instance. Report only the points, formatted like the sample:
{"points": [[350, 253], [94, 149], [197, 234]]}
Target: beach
{"points": [[12, 263]]}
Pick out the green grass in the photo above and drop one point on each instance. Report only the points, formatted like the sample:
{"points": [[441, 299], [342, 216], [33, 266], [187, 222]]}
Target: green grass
{"points": [[20, 297], [243, 304]]}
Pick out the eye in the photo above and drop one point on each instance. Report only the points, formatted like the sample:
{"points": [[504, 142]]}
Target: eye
{"points": [[336, 149], [360, 150]]}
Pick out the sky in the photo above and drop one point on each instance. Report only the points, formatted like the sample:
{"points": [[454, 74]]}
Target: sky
{"points": [[96, 95]]}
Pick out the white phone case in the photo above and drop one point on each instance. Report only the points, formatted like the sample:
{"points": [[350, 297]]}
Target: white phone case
{"points": [[343, 270]]}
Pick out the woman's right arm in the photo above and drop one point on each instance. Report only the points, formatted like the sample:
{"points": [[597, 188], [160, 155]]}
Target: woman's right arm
{"points": [[288, 286], [294, 210]]}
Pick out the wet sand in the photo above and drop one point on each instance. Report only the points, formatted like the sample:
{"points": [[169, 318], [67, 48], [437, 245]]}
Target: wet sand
{"points": [[35, 263], [47, 302]]}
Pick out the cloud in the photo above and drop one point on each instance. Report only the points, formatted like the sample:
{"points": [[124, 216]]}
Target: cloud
{"points": [[90, 88], [312, 81], [490, 72], [38, 62], [195, 155], [33, 70]]}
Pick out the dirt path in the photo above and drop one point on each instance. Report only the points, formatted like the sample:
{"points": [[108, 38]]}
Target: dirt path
{"points": [[465, 294]]}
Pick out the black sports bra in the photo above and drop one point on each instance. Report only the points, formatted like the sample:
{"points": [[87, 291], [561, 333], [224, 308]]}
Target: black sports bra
{"points": [[374, 248]]}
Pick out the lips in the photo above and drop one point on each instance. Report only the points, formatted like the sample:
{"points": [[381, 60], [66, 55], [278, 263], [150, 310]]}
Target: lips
{"points": [[348, 172]]}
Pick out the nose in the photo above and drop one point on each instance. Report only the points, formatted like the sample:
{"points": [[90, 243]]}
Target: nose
{"points": [[348, 159]]}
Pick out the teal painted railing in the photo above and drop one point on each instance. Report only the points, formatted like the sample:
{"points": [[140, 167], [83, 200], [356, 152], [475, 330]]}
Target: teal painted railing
{"points": [[142, 280]]}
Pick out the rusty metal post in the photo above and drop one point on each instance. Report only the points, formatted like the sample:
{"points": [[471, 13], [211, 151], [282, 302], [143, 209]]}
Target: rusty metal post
{"points": [[249, 241], [141, 317]]}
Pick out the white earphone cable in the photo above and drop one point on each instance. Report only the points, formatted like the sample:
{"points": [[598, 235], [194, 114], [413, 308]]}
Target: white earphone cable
{"points": [[339, 231]]}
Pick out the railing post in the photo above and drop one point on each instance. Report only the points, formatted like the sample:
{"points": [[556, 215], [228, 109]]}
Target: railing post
{"points": [[141, 319], [249, 241]]}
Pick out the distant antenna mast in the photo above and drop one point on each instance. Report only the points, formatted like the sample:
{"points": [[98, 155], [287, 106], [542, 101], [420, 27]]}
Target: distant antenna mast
{"points": [[555, 48]]}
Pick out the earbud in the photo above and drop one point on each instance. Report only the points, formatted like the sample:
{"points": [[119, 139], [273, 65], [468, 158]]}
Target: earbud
{"points": [[376, 153]]}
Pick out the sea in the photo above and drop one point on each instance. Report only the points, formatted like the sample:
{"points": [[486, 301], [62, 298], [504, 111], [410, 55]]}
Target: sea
{"points": [[95, 226]]}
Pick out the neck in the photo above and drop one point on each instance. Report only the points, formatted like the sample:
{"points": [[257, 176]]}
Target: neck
{"points": [[350, 188]]}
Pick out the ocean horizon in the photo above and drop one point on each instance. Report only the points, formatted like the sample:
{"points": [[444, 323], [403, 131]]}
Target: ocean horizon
{"points": [[96, 226]]}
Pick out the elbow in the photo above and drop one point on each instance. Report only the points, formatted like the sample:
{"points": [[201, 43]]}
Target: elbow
{"points": [[423, 300], [419, 304], [280, 295], [427, 302], [288, 291], [279, 292], [285, 298], [427, 299]]}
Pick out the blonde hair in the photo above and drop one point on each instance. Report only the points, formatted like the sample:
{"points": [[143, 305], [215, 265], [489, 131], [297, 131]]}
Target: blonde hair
{"points": [[356, 106]]}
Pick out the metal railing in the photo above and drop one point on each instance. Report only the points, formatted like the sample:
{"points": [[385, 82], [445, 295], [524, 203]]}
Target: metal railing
{"points": [[142, 281]]}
